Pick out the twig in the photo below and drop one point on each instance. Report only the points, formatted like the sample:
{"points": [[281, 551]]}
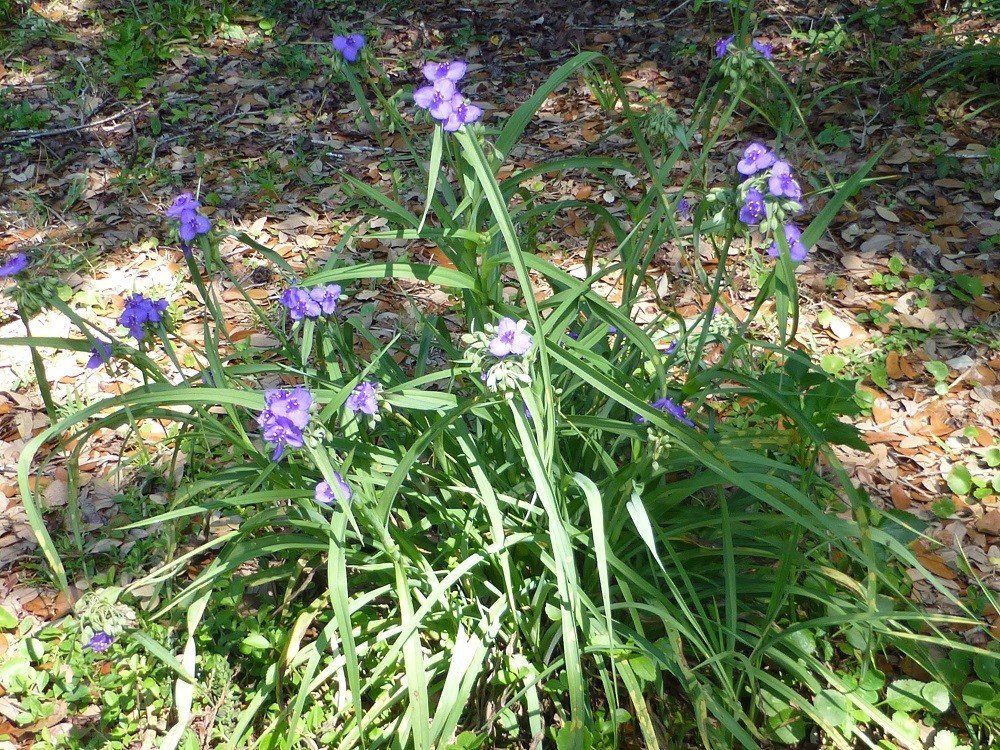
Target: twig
{"points": [[31, 135]]}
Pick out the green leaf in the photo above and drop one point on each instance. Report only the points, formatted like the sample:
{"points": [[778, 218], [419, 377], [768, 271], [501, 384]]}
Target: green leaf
{"points": [[960, 479], [943, 507], [256, 642], [832, 708], [971, 285], [7, 620], [978, 693], [937, 696], [832, 363], [937, 368], [896, 265], [879, 376], [158, 651], [906, 727], [569, 738], [433, 171], [992, 457], [906, 695]]}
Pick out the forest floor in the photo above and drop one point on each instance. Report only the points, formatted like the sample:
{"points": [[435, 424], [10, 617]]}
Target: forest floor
{"points": [[105, 116]]}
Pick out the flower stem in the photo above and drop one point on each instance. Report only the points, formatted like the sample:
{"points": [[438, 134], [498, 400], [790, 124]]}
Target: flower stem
{"points": [[36, 360]]}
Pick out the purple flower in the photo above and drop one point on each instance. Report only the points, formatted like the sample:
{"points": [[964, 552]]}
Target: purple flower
{"points": [[349, 46], [445, 71], [510, 338], [100, 642], [191, 223], [285, 416], [281, 432], [183, 203], [756, 157], [300, 303], [753, 210], [99, 354], [796, 250], [437, 98], [781, 182], [722, 46], [364, 398], [326, 297], [140, 312], [326, 494], [766, 50], [671, 348], [291, 405], [462, 113], [684, 209], [673, 409], [14, 266]]}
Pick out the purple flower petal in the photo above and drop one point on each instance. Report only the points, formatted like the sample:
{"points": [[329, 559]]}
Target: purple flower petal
{"points": [[100, 642], [753, 210], [766, 50], [510, 338], [182, 204], [99, 354], [17, 263], [722, 46], [756, 157], [451, 71], [364, 398], [327, 495]]}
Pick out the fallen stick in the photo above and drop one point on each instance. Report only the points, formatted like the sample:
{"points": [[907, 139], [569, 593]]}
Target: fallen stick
{"points": [[31, 135]]}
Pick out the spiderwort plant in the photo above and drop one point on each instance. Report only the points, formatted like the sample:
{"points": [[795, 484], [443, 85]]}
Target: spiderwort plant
{"points": [[484, 513], [502, 354], [30, 296]]}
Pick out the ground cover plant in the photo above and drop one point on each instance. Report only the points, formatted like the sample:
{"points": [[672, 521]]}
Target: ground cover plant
{"points": [[546, 513]]}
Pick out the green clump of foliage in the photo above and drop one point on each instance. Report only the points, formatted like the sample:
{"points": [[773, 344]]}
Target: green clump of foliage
{"points": [[521, 544]]}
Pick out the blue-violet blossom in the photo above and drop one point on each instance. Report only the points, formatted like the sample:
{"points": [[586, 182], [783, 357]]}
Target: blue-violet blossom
{"points": [[684, 209], [766, 50], [753, 210], [722, 46], [510, 338], [796, 250], [100, 354], [756, 157], [364, 398], [141, 311], [349, 46], [462, 113], [15, 265], [781, 183], [285, 416], [100, 642], [191, 223], [673, 409], [326, 494]]}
